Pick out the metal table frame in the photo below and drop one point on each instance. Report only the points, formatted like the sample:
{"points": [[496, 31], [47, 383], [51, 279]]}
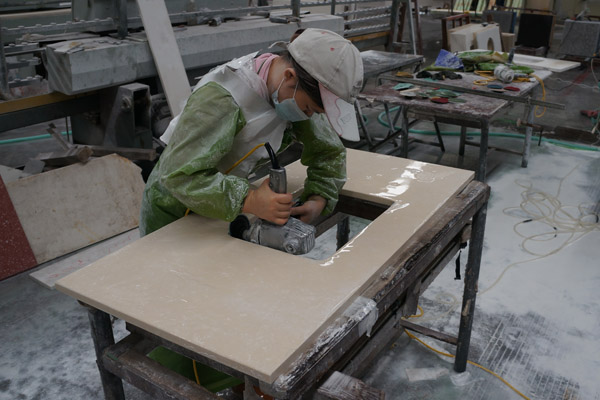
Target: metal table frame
{"points": [[429, 111], [344, 346]]}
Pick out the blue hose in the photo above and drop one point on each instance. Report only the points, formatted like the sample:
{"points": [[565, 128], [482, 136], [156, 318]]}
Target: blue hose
{"points": [[28, 138]]}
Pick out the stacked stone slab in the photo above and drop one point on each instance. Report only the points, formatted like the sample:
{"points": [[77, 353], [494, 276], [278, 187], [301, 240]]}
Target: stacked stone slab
{"points": [[91, 64]]}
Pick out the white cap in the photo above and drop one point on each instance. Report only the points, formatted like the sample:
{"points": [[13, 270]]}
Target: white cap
{"points": [[336, 64]]}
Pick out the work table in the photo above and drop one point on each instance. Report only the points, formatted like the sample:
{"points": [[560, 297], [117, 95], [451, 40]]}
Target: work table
{"points": [[252, 308]]}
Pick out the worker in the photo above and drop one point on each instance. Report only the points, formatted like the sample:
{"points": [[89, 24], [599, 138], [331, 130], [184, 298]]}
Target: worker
{"points": [[305, 93]]}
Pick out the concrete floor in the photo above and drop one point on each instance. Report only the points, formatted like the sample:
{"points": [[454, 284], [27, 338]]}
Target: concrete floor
{"points": [[538, 326]]}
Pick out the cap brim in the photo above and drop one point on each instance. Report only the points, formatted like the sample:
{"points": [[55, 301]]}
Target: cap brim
{"points": [[341, 115]]}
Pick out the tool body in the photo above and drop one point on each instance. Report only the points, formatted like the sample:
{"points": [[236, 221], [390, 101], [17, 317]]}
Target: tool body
{"points": [[294, 237]]}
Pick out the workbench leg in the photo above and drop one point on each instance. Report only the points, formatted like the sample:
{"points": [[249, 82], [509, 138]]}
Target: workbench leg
{"points": [[529, 110], [470, 292], [439, 136], [388, 117], [361, 121], [463, 139], [405, 132], [483, 147], [343, 232], [102, 334]]}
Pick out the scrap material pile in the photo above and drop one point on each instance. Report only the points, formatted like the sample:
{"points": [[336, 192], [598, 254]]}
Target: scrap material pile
{"points": [[495, 73]]}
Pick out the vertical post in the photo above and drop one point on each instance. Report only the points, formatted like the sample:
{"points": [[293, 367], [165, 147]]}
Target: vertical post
{"points": [[4, 89], [122, 18], [439, 136], [470, 292], [463, 139], [296, 8], [411, 26], [529, 112], [102, 335], [394, 12], [361, 122], [404, 132], [333, 7], [483, 147], [391, 125]]}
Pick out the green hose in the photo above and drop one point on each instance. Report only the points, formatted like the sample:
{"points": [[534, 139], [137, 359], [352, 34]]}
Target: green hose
{"points": [[28, 138], [494, 134]]}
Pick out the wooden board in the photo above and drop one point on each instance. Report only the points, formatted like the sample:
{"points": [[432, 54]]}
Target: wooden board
{"points": [[48, 274], [72, 207], [165, 52], [249, 307]]}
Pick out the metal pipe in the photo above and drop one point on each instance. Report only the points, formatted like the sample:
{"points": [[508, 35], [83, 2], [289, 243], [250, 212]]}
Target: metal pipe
{"points": [[363, 11], [529, 112], [360, 20], [345, 2], [394, 14], [405, 132], [483, 148], [368, 29], [411, 26]]}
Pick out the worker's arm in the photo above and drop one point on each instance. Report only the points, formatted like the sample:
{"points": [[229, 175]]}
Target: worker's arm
{"points": [[325, 156], [188, 166]]}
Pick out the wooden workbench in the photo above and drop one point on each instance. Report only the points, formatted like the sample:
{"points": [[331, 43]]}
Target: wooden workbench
{"points": [[279, 320], [476, 112]]}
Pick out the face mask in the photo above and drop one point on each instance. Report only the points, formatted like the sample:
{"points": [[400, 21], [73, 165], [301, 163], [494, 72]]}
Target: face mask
{"points": [[288, 110]]}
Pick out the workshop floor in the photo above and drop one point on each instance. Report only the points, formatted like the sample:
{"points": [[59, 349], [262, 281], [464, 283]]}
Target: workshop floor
{"points": [[537, 320], [536, 324]]}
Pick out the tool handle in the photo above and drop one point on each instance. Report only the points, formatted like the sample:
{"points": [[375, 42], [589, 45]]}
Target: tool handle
{"points": [[278, 180]]}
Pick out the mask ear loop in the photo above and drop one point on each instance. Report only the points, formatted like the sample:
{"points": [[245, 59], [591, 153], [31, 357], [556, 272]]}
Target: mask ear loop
{"points": [[295, 88], [279, 87]]}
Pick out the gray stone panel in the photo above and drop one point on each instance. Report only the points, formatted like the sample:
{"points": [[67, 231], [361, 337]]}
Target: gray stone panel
{"points": [[580, 38], [89, 64]]}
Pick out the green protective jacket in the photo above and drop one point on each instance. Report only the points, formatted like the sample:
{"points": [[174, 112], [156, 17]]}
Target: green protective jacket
{"points": [[186, 175]]}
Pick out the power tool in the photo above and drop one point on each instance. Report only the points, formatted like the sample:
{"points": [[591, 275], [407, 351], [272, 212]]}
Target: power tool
{"points": [[294, 237]]}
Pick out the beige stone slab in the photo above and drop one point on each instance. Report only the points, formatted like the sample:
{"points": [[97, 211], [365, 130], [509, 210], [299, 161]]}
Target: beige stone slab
{"points": [[72, 207], [50, 272], [550, 64], [250, 307]]}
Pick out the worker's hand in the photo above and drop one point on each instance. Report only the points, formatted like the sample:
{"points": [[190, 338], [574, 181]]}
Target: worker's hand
{"points": [[268, 205], [310, 210]]}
